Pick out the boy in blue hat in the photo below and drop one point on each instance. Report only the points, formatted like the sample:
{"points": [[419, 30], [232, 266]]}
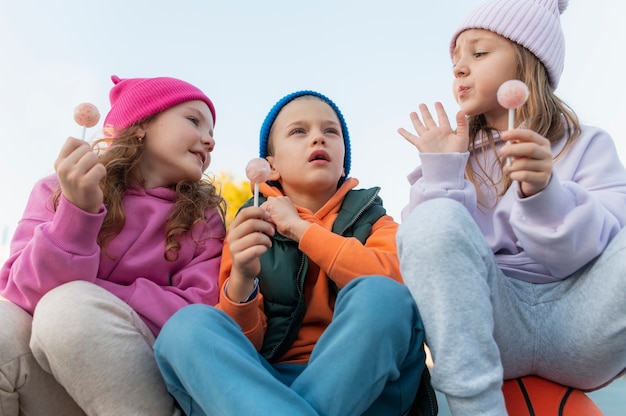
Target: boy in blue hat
{"points": [[313, 317]]}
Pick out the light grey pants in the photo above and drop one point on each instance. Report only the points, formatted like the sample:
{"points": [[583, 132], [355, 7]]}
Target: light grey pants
{"points": [[99, 349], [483, 327], [25, 388]]}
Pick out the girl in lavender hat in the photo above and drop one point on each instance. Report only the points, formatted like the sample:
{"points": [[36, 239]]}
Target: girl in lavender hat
{"points": [[516, 269]]}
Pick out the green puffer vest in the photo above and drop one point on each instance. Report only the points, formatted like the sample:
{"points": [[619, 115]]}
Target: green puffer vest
{"points": [[284, 268]]}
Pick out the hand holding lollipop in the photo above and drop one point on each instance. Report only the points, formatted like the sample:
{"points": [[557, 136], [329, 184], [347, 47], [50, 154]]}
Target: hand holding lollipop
{"points": [[512, 94], [86, 115], [258, 170]]}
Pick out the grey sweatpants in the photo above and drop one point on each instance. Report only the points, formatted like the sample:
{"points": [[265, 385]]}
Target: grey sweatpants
{"points": [[483, 327], [96, 347]]}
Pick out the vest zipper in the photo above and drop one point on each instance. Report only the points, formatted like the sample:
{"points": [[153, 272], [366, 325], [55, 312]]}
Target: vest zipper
{"points": [[360, 212]]}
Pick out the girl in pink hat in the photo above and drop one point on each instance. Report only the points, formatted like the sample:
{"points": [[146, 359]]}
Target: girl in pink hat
{"points": [[517, 269], [108, 249]]}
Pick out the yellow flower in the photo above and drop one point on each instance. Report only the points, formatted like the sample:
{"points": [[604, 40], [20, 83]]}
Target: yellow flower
{"points": [[234, 193]]}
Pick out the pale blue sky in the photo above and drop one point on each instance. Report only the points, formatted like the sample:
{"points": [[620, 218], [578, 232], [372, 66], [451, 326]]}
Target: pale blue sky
{"points": [[376, 60]]}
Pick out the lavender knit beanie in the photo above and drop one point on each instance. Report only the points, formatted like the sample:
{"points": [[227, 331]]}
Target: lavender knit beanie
{"points": [[534, 24], [135, 99]]}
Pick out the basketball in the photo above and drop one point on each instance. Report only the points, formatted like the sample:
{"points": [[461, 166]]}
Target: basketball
{"points": [[535, 396]]}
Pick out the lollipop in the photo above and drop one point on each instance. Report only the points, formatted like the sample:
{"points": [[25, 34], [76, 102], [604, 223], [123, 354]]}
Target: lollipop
{"points": [[258, 170], [86, 115], [511, 95]]}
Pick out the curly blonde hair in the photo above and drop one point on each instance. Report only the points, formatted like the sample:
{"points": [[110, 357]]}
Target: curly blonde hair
{"points": [[544, 113], [121, 156]]}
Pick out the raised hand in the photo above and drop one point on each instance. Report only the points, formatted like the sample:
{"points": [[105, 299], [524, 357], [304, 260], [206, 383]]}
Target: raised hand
{"points": [[79, 172], [437, 138]]}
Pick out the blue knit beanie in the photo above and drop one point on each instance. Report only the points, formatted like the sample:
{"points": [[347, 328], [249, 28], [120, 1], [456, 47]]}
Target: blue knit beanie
{"points": [[271, 117]]}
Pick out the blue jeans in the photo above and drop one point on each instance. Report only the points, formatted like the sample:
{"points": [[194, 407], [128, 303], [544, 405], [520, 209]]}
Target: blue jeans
{"points": [[368, 361]]}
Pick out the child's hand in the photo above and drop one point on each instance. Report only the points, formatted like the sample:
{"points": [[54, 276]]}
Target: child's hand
{"points": [[433, 138], [79, 172], [248, 238], [531, 159], [286, 218]]}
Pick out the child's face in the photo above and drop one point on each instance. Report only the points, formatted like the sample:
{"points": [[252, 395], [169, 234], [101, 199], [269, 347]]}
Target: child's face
{"points": [[178, 145], [307, 148], [482, 61]]}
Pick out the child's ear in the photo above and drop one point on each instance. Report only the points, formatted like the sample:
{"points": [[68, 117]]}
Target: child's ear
{"points": [[141, 131], [274, 175]]}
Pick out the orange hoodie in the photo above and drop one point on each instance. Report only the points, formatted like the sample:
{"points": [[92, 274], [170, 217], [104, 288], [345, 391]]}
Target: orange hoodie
{"points": [[331, 256]]}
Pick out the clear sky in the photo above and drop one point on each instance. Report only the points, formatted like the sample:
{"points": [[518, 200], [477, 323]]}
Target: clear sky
{"points": [[376, 60]]}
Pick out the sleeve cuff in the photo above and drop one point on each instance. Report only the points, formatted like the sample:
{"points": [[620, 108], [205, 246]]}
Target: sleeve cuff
{"points": [[252, 294]]}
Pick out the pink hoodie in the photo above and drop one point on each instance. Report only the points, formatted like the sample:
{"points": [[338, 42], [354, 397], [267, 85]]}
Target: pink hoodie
{"points": [[52, 248]]}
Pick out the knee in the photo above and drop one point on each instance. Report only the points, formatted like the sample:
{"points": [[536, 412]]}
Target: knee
{"points": [[187, 319], [65, 316], [381, 301], [65, 299], [441, 221], [183, 325], [397, 305], [434, 216]]}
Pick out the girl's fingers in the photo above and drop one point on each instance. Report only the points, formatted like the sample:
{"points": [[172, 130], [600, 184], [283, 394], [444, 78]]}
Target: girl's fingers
{"points": [[525, 136], [410, 137], [526, 150], [426, 116], [417, 123], [442, 116]]}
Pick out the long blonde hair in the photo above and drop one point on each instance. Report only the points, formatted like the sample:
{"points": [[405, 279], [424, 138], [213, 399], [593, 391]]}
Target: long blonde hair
{"points": [[121, 156], [544, 113]]}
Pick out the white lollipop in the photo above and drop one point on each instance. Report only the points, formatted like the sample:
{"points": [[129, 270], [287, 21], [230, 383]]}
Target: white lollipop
{"points": [[512, 94], [258, 171]]}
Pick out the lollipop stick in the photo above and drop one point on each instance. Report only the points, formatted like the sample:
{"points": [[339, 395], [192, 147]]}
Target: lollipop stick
{"points": [[84, 131], [511, 126], [256, 194]]}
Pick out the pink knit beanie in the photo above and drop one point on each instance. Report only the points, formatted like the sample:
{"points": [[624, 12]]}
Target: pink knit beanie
{"points": [[135, 99], [534, 24]]}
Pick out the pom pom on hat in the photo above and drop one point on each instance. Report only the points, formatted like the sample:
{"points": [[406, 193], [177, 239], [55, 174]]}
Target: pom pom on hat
{"points": [[135, 99], [534, 24], [271, 117]]}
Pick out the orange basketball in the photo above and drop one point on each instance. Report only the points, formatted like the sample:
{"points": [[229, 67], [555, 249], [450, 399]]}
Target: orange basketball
{"points": [[535, 396]]}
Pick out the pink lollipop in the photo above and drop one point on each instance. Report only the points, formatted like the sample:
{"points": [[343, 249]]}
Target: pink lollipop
{"points": [[511, 95], [86, 115], [258, 170]]}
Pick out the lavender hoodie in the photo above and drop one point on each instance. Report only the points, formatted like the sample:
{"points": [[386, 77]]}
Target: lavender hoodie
{"points": [[550, 235], [51, 248]]}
